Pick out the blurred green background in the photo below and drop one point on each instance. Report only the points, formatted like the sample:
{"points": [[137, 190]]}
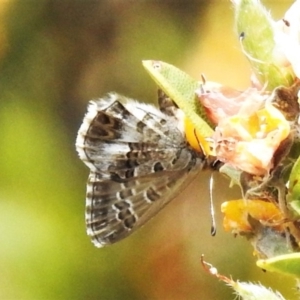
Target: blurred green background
{"points": [[54, 57]]}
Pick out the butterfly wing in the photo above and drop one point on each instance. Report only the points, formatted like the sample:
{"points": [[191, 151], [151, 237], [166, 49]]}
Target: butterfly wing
{"points": [[139, 160]]}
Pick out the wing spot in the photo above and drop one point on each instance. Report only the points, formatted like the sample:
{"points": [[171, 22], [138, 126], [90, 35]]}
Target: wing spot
{"points": [[140, 126], [103, 118], [96, 132], [121, 205], [122, 215], [129, 173], [132, 159], [129, 222], [174, 160], [124, 194], [116, 177], [102, 127], [118, 108], [152, 195], [158, 167]]}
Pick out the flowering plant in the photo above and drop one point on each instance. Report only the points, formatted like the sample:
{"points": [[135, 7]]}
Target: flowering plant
{"points": [[254, 133]]}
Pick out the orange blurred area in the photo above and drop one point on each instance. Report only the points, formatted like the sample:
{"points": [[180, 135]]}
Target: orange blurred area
{"points": [[54, 57], [236, 213]]}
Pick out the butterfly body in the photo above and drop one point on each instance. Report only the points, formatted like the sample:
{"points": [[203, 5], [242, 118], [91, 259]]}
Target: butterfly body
{"points": [[139, 160]]}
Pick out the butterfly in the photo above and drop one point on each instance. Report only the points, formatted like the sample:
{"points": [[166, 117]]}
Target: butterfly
{"points": [[139, 160]]}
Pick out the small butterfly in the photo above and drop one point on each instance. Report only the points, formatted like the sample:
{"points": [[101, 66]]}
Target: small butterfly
{"points": [[139, 160]]}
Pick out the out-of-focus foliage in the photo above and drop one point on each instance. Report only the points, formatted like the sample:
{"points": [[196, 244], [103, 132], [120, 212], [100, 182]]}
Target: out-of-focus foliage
{"points": [[54, 57], [258, 42]]}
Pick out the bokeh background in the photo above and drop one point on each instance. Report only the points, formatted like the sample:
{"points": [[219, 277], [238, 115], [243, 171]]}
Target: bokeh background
{"points": [[54, 57]]}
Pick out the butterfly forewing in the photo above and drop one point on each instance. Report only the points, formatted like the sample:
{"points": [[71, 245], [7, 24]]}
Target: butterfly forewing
{"points": [[139, 160]]}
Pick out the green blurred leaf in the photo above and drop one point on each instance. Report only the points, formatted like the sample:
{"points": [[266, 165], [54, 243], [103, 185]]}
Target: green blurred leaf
{"points": [[288, 264], [293, 197], [181, 88], [257, 38]]}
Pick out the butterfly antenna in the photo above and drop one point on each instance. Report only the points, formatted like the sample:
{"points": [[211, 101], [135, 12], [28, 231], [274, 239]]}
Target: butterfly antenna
{"points": [[213, 229]]}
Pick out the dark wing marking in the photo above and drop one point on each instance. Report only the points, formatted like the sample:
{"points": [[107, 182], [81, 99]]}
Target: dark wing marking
{"points": [[166, 104]]}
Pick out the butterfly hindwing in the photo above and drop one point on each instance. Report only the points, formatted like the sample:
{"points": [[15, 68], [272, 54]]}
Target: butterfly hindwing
{"points": [[138, 159]]}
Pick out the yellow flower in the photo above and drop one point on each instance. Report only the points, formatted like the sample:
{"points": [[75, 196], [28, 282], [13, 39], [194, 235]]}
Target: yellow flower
{"points": [[237, 212], [248, 140]]}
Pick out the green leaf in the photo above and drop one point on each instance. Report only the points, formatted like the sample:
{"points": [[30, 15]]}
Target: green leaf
{"points": [[293, 197], [256, 30], [288, 264], [181, 88]]}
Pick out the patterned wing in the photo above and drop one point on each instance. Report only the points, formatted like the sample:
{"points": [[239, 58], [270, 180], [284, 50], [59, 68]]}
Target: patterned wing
{"points": [[138, 159]]}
